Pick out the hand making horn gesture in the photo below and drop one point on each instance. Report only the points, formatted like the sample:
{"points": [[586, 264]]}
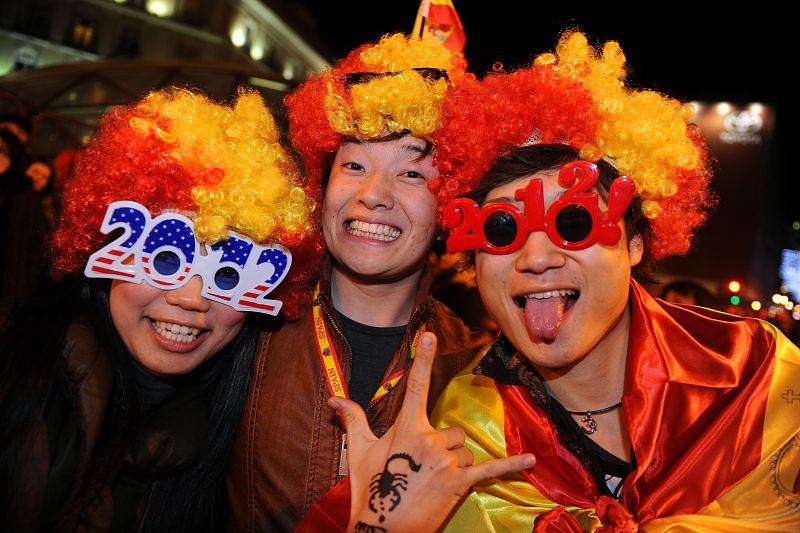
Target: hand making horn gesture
{"points": [[412, 477]]}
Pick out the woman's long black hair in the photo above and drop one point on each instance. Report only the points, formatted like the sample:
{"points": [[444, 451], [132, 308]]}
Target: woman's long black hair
{"points": [[193, 499]]}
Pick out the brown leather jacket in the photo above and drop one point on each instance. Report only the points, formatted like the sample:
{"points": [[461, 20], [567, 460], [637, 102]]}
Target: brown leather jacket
{"points": [[286, 454], [47, 488]]}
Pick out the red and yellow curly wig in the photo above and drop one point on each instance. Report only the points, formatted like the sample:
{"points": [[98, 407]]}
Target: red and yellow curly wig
{"points": [[577, 96], [327, 108], [178, 150]]}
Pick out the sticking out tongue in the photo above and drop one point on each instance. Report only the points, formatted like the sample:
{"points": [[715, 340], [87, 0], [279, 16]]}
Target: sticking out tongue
{"points": [[543, 317]]}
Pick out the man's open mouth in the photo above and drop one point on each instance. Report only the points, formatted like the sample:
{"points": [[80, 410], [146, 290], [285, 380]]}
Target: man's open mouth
{"points": [[544, 310]]}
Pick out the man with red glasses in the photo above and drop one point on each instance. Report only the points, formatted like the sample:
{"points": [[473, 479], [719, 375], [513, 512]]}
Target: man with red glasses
{"points": [[641, 414]]}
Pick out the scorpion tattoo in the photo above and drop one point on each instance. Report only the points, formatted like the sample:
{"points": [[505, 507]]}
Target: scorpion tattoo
{"points": [[385, 487]]}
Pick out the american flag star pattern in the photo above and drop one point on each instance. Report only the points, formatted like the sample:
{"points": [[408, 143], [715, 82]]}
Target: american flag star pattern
{"points": [[278, 259], [252, 299], [172, 232], [169, 232], [234, 250], [132, 218]]}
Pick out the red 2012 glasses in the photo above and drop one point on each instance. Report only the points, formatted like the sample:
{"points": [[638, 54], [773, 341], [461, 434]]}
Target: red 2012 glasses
{"points": [[573, 222]]}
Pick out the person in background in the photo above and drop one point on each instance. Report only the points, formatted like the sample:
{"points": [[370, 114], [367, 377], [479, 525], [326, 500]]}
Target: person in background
{"points": [[13, 185], [687, 293], [119, 400], [39, 173], [31, 216]]}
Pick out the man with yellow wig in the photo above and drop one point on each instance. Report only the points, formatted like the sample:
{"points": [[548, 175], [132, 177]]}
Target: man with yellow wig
{"points": [[368, 133]]}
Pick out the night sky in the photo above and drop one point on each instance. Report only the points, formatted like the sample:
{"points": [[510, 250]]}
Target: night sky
{"points": [[686, 53]]}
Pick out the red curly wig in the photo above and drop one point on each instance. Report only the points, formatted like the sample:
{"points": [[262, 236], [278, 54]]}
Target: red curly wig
{"points": [[577, 97], [178, 150]]}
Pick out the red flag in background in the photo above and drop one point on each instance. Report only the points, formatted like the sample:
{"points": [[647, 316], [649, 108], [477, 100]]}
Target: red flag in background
{"points": [[437, 19]]}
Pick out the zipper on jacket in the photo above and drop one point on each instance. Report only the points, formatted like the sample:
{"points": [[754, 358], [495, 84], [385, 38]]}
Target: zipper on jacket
{"points": [[409, 328], [339, 332], [408, 339]]}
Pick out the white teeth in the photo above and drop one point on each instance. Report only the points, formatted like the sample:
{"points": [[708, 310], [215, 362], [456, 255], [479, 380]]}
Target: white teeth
{"points": [[380, 232], [551, 294], [175, 332]]}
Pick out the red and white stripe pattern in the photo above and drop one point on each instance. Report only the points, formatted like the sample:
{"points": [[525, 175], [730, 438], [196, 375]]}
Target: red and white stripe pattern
{"points": [[109, 257]]}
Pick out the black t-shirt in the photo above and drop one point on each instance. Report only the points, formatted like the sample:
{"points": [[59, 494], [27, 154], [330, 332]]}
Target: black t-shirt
{"points": [[613, 468], [371, 349]]}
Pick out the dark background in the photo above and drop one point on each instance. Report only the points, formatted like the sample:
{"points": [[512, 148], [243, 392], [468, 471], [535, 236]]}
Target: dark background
{"points": [[690, 54]]}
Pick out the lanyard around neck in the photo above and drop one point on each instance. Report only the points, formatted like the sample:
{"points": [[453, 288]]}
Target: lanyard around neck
{"points": [[330, 359]]}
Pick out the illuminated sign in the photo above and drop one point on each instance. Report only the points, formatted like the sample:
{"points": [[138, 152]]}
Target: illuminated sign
{"points": [[790, 271], [742, 127]]}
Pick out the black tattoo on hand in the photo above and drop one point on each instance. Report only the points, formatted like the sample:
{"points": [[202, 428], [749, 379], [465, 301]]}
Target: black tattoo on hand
{"points": [[384, 490], [361, 527]]}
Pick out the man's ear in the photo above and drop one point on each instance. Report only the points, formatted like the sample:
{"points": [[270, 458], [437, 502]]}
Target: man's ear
{"points": [[635, 249]]}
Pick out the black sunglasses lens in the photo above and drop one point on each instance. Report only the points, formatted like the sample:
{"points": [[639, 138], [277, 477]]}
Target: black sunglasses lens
{"points": [[431, 74], [574, 223], [355, 78], [500, 229]]}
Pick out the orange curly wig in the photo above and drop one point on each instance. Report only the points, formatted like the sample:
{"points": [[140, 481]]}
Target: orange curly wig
{"points": [[178, 150]]}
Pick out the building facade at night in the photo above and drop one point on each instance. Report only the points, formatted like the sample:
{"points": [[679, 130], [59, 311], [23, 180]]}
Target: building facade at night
{"points": [[64, 62], [38, 33]]}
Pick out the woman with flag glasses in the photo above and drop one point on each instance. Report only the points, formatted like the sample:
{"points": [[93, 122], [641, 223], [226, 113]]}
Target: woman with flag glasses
{"points": [[119, 406]]}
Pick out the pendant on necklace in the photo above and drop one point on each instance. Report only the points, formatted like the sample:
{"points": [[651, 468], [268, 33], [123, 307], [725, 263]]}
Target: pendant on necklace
{"points": [[589, 425]]}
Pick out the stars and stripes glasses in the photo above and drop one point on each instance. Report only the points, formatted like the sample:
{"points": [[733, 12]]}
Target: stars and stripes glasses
{"points": [[164, 252]]}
